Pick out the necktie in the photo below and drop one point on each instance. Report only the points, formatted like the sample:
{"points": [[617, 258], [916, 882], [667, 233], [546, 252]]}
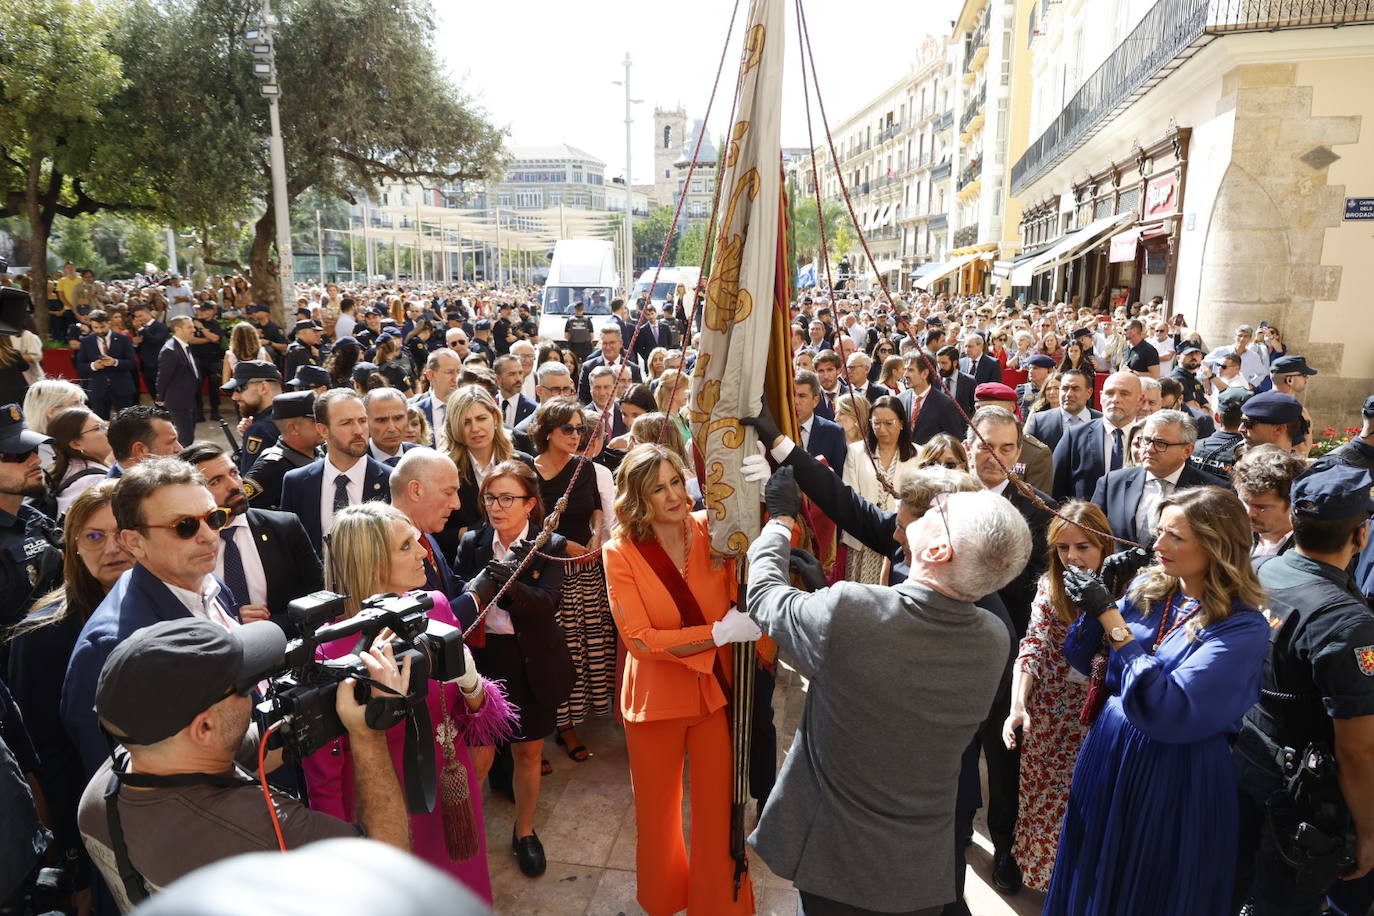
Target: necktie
{"points": [[104, 345], [234, 576], [393, 461], [340, 492], [1117, 450], [1156, 488], [191, 362], [507, 412], [917, 402]]}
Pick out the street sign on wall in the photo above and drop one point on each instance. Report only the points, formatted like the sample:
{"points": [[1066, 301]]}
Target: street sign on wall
{"points": [[1359, 208]]}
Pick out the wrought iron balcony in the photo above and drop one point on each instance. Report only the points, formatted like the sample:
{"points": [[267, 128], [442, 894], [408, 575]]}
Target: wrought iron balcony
{"points": [[966, 236], [969, 172], [941, 171], [977, 39], [938, 221], [945, 119], [1168, 35], [882, 234], [974, 106]]}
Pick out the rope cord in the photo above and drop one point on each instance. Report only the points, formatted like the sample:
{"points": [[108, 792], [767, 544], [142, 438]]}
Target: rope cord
{"points": [[1026, 489]]}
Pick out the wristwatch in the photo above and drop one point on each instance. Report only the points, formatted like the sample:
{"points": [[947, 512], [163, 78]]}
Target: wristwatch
{"points": [[1119, 634]]}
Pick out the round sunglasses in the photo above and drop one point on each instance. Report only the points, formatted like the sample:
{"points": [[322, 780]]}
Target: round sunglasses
{"points": [[188, 526]]}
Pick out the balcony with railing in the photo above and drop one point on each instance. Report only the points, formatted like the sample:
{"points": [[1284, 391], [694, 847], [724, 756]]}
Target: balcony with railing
{"points": [[966, 236], [1170, 33], [892, 130], [883, 182], [976, 45], [941, 171], [882, 234], [937, 221], [945, 119], [973, 109], [969, 173], [858, 149]]}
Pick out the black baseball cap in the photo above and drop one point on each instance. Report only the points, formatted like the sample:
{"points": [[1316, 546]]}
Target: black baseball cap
{"points": [[250, 370], [308, 377], [15, 435], [361, 371], [159, 679], [291, 404]]}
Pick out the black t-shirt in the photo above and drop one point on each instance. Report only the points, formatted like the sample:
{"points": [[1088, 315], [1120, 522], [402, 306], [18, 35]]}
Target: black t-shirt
{"points": [[1142, 357], [575, 523]]}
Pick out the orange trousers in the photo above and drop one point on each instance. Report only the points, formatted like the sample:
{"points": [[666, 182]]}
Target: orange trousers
{"points": [[667, 883]]}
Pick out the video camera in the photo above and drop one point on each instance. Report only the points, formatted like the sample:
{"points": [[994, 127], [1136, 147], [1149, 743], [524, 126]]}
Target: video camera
{"points": [[300, 700]]}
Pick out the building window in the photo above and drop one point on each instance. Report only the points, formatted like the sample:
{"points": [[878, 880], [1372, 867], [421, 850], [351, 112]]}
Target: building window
{"points": [[529, 200], [696, 209], [668, 138], [667, 173], [505, 200], [696, 186]]}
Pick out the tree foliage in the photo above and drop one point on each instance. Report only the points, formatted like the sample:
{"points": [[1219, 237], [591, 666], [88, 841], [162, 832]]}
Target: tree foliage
{"points": [[806, 236], [650, 234], [691, 245]]}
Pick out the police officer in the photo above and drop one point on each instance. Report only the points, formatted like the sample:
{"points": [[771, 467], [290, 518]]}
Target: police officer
{"points": [[30, 542], [306, 351], [311, 378], [293, 413], [1038, 368], [1316, 698], [1217, 453], [255, 385], [271, 334], [1194, 392], [578, 331], [207, 349]]}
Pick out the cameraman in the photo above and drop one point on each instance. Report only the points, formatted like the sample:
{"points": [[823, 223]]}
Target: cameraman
{"points": [[176, 695]]}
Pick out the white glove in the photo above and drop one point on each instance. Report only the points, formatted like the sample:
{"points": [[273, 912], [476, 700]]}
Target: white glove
{"points": [[755, 468], [735, 626], [471, 677]]}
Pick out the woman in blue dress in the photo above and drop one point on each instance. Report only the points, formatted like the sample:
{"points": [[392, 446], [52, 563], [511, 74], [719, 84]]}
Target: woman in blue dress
{"points": [[1150, 826]]}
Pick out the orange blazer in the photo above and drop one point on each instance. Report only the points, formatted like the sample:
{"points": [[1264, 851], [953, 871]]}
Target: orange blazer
{"points": [[658, 684]]}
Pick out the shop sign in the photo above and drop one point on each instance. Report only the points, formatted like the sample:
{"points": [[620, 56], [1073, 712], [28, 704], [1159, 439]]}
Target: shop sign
{"points": [[1123, 246], [1161, 196]]}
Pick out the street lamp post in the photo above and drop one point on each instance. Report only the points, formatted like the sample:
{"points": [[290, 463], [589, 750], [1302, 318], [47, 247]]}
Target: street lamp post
{"points": [[265, 68], [629, 233]]}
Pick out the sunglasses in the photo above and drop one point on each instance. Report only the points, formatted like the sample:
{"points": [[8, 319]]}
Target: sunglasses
{"points": [[188, 526], [569, 429], [16, 457]]}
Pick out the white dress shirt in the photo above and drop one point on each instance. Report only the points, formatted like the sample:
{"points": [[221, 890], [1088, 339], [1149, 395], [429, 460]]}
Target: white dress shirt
{"points": [[355, 477], [439, 408], [380, 455], [204, 603], [805, 430], [1073, 419], [1109, 440], [186, 348], [498, 619], [1147, 512], [252, 562]]}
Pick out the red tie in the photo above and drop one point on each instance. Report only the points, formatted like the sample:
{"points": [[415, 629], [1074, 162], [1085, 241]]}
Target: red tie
{"points": [[917, 402]]}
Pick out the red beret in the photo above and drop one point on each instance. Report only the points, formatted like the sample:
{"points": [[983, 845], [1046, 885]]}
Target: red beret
{"points": [[994, 391]]}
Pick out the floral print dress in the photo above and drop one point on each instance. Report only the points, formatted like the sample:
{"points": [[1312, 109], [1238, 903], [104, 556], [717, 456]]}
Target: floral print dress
{"points": [[1049, 743]]}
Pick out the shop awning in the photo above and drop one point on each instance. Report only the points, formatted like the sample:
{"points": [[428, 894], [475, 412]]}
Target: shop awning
{"points": [[945, 269], [926, 268], [1067, 248], [1003, 269], [1123, 245]]}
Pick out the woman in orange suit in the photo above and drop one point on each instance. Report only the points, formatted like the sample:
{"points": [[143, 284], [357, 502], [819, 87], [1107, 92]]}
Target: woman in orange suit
{"points": [[676, 616]]}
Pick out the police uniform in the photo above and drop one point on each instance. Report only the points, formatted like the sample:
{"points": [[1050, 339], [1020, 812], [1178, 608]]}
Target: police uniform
{"points": [[1217, 453], [1320, 667], [30, 542], [1026, 393], [299, 354], [262, 432], [577, 331]]}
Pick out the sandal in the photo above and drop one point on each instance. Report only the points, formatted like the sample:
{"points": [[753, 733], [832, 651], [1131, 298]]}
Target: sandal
{"points": [[545, 768], [578, 753]]}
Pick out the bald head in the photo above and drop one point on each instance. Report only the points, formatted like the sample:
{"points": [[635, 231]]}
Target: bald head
{"points": [[1121, 397], [424, 485]]}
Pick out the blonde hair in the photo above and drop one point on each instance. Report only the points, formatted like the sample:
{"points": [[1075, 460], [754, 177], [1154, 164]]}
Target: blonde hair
{"points": [[634, 479], [357, 549], [45, 394], [1080, 514], [416, 415], [858, 407], [1222, 527], [668, 383], [655, 428], [459, 403]]}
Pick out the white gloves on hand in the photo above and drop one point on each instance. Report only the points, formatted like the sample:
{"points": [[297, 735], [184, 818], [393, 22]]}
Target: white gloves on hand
{"points": [[470, 678], [735, 626], [755, 468]]}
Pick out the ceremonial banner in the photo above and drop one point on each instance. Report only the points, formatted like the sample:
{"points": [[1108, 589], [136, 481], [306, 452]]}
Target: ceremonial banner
{"points": [[741, 309]]}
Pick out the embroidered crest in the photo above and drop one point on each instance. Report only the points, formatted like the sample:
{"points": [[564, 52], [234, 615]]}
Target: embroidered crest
{"points": [[15, 415], [251, 487], [253, 443], [1364, 657]]}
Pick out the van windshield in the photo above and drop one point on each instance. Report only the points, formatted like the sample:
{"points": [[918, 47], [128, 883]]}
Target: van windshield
{"points": [[558, 300], [662, 291]]}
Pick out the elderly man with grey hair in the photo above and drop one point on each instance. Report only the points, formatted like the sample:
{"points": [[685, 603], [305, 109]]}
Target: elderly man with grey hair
{"points": [[553, 381], [863, 816], [424, 485], [1130, 497]]}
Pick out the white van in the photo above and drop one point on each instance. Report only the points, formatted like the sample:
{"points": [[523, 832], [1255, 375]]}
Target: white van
{"points": [[583, 270], [665, 290]]}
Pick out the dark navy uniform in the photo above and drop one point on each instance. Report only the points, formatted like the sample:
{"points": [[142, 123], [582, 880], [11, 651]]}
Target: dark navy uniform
{"points": [[577, 331], [262, 483], [258, 437], [298, 354], [1320, 667], [1217, 453], [1026, 393], [1193, 389], [30, 542]]}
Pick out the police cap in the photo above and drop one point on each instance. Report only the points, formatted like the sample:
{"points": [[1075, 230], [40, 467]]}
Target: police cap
{"points": [[15, 437], [250, 370], [362, 370], [294, 403], [309, 377], [1288, 365], [1331, 490], [1272, 407]]}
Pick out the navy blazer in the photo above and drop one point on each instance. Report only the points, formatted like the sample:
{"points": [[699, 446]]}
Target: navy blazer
{"points": [[524, 407], [960, 387], [300, 493], [439, 577], [828, 441], [1078, 460], [425, 404], [938, 415], [289, 563], [137, 600], [1048, 425], [178, 386], [987, 369], [584, 378], [1118, 495], [112, 379]]}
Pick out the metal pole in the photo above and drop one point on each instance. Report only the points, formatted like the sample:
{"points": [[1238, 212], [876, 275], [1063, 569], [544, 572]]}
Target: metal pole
{"points": [[279, 200], [498, 242], [352, 274], [171, 250], [319, 245], [629, 190]]}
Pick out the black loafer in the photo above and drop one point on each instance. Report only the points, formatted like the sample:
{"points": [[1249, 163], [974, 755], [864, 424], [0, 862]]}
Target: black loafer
{"points": [[529, 852], [1006, 874]]}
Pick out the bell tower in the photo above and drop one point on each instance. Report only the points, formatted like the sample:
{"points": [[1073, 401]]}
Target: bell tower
{"points": [[670, 132]]}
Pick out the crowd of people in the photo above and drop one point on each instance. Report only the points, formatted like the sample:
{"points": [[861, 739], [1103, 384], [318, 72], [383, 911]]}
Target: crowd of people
{"points": [[1088, 552]]}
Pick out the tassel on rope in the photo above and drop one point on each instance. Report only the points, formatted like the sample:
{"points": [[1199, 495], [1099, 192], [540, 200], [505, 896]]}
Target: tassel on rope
{"points": [[462, 838]]}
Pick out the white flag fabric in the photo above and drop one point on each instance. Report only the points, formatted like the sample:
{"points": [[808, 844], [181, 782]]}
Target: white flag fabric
{"points": [[728, 379]]}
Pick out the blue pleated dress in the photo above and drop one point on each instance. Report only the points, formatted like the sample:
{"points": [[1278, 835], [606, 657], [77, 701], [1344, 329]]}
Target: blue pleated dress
{"points": [[1150, 828]]}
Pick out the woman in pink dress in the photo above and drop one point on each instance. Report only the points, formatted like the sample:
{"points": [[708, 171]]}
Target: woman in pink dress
{"points": [[1048, 695], [374, 549]]}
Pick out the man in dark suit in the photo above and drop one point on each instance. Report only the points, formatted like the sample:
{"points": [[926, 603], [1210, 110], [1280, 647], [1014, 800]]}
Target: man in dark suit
{"points": [[346, 476], [820, 437], [178, 384], [424, 485], [857, 371], [1089, 451], [828, 365], [977, 363], [149, 336], [653, 333], [265, 558], [510, 377], [1075, 387], [105, 364], [958, 385], [171, 576], [612, 346], [928, 410], [1131, 496], [387, 425], [442, 368], [604, 392]]}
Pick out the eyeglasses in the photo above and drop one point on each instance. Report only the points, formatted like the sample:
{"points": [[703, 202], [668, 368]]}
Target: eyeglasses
{"points": [[570, 429], [1158, 445], [16, 457], [504, 500], [188, 526], [883, 424], [99, 427], [938, 503], [560, 391]]}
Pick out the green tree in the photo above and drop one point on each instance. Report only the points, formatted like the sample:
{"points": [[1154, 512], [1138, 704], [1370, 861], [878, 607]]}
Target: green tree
{"points": [[74, 243], [691, 245], [650, 234], [806, 236], [144, 245]]}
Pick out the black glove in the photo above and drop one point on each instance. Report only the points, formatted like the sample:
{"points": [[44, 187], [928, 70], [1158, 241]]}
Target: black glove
{"points": [[499, 572], [781, 495], [1087, 591], [518, 551], [808, 569], [764, 425], [484, 586], [1120, 568]]}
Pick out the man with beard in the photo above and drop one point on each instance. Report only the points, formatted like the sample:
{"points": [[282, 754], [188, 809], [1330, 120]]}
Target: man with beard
{"points": [[346, 476], [256, 383], [1194, 392], [30, 542], [294, 413], [266, 560]]}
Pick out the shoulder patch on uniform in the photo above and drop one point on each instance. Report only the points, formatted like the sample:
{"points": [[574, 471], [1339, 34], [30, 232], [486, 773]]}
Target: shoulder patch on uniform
{"points": [[1364, 657], [251, 487], [253, 443]]}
